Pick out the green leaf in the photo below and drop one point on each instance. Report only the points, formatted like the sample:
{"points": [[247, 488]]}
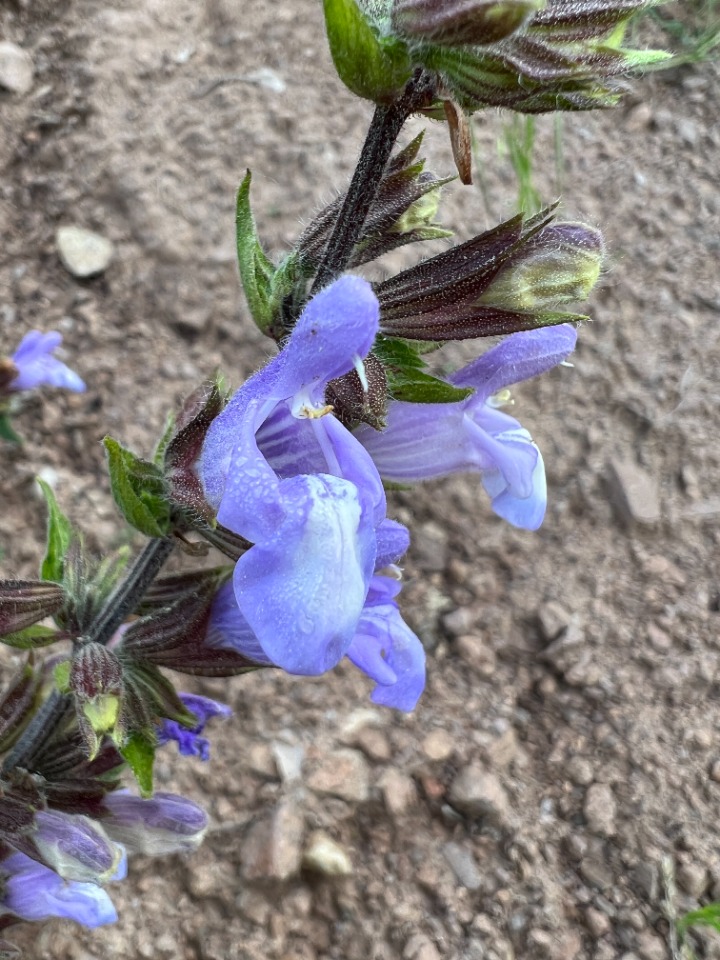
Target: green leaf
{"points": [[256, 270], [139, 752], [406, 377], [61, 676], [6, 430], [139, 490], [162, 444], [59, 536], [31, 638], [372, 66], [708, 916]]}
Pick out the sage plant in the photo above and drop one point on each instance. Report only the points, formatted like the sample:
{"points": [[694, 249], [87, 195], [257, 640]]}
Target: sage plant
{"points": [[286, 475]]}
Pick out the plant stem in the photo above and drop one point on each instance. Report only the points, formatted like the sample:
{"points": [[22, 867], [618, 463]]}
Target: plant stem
{"points": [[126, 595], [122, 601], [386, 124]]}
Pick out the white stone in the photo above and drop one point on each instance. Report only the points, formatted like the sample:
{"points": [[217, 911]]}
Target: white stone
{"points": [[325, 856], [16, 68], [83, 253]]}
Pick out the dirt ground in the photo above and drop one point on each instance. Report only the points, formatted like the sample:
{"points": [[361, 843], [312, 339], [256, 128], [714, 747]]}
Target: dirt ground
{"points": [[567, 744]]}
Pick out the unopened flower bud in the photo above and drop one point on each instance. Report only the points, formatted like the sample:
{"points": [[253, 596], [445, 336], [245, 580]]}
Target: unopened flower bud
{"points": [[24, 602], [372, 63], [77, 848], [460, 22], [561, 264], [163, 824], [97, 686]]}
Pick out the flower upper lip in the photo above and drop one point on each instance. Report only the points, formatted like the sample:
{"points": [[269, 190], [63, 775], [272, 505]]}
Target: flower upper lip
{"points": [[309, 498]]}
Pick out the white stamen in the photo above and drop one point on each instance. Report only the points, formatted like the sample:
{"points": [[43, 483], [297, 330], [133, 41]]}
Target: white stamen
{"points": [[360, 368], [503, 398]]}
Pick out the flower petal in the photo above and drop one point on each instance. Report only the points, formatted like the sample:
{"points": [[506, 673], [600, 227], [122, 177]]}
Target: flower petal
{"points": [[339, 324], [387, 650], [518, 357], [37, 367], [526, 512], [302, 590], [393, 540], [34, 892], [228, 629]]}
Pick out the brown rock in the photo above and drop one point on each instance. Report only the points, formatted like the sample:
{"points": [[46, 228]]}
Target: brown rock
{"points": [[476, 654], [693, 879], [600, 809], [272, 847], [478, 793], [374, 744], [552, 620], [635, 493], [344, 774], [399, 792], [438, 745]]}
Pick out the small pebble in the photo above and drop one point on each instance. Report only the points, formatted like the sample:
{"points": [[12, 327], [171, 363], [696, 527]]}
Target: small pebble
{"points": [[438, 745], [634, 492], [323, 855], [83, 253], [600, 809], [16, 68]]}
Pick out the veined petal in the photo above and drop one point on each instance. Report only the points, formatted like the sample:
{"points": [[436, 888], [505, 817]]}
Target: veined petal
{"points": [[228, 629], [420, 442], [512, 454], [347, 458], [290, 444], [393, 540], [526, 512], [387, 650], [518, 357], [338, 325], [303, 589], [34, 892]]}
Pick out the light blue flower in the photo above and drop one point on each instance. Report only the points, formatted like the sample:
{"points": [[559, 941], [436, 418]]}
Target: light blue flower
{"points": [[383, 646], [37, 366], [285, 474], [189, 740], [424, 441], [32, 891]]}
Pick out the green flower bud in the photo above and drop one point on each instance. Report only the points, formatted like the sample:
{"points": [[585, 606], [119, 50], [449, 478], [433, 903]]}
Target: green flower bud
{"points": [[560, 265], [370, 61]]}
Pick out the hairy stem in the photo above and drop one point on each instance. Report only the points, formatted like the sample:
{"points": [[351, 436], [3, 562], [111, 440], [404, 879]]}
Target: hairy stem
{"points": [[131, 590], [122, 601], [387, 122]]}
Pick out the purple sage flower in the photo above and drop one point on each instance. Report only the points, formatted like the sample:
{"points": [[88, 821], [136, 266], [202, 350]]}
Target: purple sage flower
{"points": [[163, 824], [424, 440], [383, 646], [76, 847], [32, 891], [189, 740], [37, 366], [285, 474]]}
